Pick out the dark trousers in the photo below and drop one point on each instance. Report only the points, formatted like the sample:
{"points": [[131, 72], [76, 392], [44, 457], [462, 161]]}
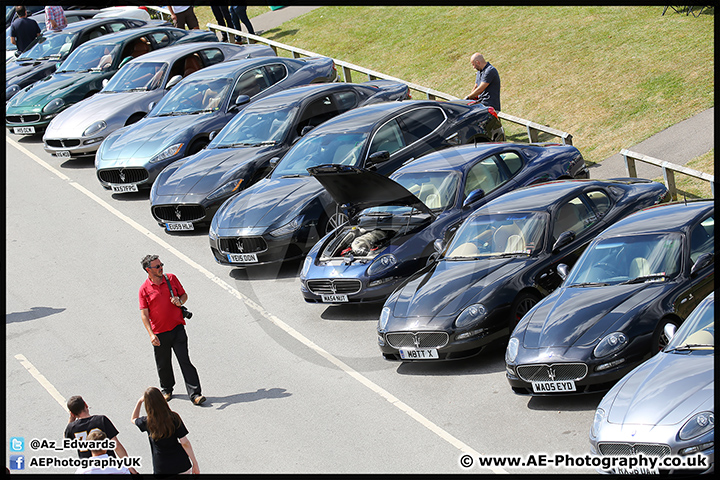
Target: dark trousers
{"points": [[222, 15], [175, 340], [239, 14]]}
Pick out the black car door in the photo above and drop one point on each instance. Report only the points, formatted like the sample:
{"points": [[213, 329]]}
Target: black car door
{"points": [[702, 282]]}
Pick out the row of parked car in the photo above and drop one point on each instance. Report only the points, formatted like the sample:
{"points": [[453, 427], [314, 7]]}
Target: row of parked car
{"points": [[467, 239]]}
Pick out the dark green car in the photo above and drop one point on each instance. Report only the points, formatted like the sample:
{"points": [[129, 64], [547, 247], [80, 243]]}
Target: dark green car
{"points": [[82, 73]]}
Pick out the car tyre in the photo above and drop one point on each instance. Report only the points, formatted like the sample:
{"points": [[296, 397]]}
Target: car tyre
{"points": [[332, 222], [196, 147], [659, 339], [522, 304]]}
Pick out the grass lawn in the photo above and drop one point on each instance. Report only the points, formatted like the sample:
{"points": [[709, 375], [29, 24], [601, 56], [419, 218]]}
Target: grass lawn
{"points": [[612, 76]]}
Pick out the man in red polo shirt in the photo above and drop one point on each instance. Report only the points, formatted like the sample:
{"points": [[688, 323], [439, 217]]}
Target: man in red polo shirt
{"points": [[163, 319]]}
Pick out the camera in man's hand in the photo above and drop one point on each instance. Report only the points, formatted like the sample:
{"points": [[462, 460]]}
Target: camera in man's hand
{"points": [[185, 312]]}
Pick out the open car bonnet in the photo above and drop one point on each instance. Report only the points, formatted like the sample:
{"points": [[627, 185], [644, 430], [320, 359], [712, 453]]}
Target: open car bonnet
{"points": [[356, 189]]}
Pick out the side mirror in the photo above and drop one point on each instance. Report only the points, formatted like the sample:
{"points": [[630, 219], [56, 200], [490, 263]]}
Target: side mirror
{"points": [[212, 135], [473, 197], [242, 100], [173, 81], [151, 106], [702, 261], [274, 161], [438, 245], [563, 270], [563, 239], [305, 130], [378, 157], [105, 82], [57, 66], [124, 61], [669, 330]]}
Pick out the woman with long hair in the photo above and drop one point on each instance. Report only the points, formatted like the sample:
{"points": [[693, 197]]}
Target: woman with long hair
{"points": [[171, 451]]}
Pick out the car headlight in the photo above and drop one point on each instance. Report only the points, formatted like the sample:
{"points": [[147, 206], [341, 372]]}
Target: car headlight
{"points": [[610, 344], [599, 418], [306, 267], [701, 423], [512, 350], [384, 317], [381, 264], [226, 190], [95, 128], [472, 314], [54, 106], [11, 90], [169, 152], [213, 232], [288, 228]]}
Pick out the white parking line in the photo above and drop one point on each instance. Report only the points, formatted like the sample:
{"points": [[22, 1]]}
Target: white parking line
{"points": [[42, 380], [464, 448]]}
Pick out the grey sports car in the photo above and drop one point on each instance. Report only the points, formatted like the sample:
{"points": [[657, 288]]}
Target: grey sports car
{"points": [[181, 123], [131, 93], [666, 405]]}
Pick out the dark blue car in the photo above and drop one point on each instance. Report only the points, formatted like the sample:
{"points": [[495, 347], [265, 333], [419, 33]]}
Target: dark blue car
{"points": [[203, 102], [282, 216], [620, 304], [394, 221], [188, 192], [502, 260]]}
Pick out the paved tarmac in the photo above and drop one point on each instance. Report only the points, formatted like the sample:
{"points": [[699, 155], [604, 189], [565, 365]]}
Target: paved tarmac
{"points": [[677, 144]]}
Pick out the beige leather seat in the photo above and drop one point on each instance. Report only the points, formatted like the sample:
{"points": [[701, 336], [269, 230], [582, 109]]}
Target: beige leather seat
{"points": [[502, 236], [639, 267], [192, 65]]}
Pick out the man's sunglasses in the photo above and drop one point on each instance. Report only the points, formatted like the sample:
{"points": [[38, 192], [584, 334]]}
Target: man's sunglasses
{"points": [[157, 266]]}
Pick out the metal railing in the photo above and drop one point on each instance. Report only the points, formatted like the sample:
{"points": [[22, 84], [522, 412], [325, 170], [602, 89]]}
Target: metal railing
{"points": [[668, 169], [532, 129]]}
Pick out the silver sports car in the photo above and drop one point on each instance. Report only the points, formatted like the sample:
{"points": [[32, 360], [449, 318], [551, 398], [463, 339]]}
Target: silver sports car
{"points": [[131, 93], [666, 405]]}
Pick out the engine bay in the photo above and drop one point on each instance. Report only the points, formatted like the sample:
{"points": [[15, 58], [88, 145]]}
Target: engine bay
{"points": [[358, 242]]}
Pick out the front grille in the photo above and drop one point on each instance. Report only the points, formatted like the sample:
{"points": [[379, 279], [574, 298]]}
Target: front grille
{"points": [[629, 449], [552, 372], [243, 245], [332, 286], [22, 118], [123, 175], [179, 213], [417, 339], [63, 143]]}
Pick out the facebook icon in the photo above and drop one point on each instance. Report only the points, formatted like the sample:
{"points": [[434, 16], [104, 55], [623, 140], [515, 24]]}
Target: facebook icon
{"points": [[17, 462]]}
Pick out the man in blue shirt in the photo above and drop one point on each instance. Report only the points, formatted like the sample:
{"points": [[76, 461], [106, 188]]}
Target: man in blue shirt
{"points": [[487, 83], [23, 30]]}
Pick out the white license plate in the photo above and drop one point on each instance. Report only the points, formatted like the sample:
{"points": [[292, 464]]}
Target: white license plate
{"points": [[242, 258], [179, 226], [337, 298], [124, 188], [418, 353], [62, 153], [24, 130], [553, 387], [635, 471]]}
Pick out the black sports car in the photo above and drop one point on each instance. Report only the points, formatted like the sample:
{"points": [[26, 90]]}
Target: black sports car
{"points": [[282, 216], [502, 260], [42, 57], [187, 193], [394, 221], [635, 283]]}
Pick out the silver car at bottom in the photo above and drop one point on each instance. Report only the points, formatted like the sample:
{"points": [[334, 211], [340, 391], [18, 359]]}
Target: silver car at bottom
{"points": [[666, 405]]}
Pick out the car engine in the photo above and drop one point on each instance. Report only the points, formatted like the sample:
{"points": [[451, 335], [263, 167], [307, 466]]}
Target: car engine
{"points": [[358, 242]]}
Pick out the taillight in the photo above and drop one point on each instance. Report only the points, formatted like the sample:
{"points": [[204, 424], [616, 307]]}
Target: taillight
{"points": [[409, 97], [492, 112]]}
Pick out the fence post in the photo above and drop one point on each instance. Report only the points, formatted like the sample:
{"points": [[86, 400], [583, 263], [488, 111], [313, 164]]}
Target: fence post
{"points": [[296, 54], [669, 177], [347, 74], [532, 134], [630, 166]]}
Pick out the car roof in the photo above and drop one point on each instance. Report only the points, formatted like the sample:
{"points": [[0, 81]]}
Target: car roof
{"points": [[363, 119], [455, 157], [84, 24], [123, 35], [298, 94], [665, 217], [175, 51], [542, 197], [233, 67]]}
